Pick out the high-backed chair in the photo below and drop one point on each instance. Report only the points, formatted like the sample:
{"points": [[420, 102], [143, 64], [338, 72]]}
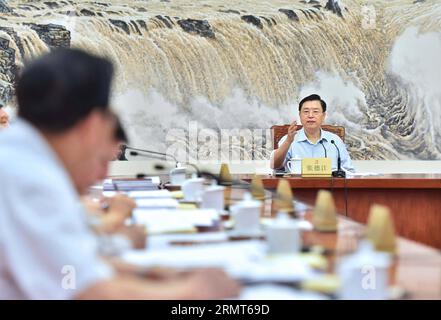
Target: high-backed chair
{"points": [[278, 131]]}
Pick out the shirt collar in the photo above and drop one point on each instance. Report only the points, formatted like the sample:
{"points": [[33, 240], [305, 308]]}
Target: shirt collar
{"points": [[324, 135]]}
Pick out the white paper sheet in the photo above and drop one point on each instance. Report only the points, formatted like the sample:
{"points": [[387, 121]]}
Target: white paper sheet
{"points": [[155, 180], [303, 225], [159, 242], [362, 174], [277, 292], [243, 260], [150, 194], [172, 221], [153, 203]]}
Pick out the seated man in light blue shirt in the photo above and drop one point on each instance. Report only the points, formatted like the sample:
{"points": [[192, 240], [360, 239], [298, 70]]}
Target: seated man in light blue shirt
{"points": [[311, 141]]}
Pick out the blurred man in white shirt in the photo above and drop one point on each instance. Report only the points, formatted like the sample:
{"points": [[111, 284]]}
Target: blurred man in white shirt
{"points": [[48, 157]]}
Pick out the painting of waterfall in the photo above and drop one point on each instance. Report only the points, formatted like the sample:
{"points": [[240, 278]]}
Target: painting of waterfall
{"points": [[213, 73]]}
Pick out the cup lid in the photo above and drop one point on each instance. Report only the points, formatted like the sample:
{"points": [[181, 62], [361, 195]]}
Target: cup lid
{"points": [[214, 188], [179, 170], [248, 202], [283, 221]]}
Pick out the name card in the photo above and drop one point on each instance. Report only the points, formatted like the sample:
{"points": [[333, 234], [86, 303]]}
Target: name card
{"points": [[316, 167]]}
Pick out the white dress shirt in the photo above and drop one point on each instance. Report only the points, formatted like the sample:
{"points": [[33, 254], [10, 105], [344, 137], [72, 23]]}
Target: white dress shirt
{"points": [[46, 249]]}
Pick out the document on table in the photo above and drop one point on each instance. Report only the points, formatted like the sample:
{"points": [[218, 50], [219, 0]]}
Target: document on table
{"points": [[303, 225], [151, 194], [362, 174], [159, 242], [155, 203], [246, 261], [126, 185], [173, 221], [154, 180], [147, 194], [277, 292]]}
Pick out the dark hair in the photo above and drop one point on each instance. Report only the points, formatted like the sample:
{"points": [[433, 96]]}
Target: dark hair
{"points": [[63, 87], [313, 97], [120, 133]]}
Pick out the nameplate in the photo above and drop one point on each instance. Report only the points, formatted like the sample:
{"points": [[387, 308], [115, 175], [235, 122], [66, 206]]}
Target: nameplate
{"points": [[316, 167]]}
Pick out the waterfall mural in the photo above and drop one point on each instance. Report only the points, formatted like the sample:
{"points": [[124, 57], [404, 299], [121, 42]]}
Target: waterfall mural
{"points": [[218, 74]]}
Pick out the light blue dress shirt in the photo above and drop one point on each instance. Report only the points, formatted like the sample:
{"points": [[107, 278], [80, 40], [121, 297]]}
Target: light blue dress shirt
{"points": [[303, 148]]}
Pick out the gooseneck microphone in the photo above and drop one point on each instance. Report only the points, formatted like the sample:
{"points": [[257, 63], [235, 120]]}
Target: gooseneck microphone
{"points": [[339, 173], [159, 155], [236, 184], [200, 173], [326, 154], [136, 152]]}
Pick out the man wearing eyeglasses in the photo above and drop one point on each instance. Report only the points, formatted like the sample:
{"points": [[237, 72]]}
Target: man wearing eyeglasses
{"points": [[311, 141]]}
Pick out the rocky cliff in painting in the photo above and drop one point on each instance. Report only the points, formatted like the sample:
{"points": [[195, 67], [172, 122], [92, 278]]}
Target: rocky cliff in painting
{"points": [[245, 65]]}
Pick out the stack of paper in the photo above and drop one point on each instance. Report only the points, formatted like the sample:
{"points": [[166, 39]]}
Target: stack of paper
{"points": [[277, 292], [126, 185], [159, 242], [156, 203], [244, 260], [149, 194], [362, 174], [173, 221]]}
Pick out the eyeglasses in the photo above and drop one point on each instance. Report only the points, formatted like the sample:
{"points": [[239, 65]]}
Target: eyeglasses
{"points": [[314, 112]]}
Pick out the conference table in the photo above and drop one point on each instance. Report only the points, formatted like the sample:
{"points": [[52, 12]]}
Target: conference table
{"points": [[414, 199], [416, 268]]}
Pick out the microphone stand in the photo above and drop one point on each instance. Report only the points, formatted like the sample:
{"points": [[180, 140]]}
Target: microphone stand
{"points": [[326, 154], [236, 184], [136, 152], [339, 173]]}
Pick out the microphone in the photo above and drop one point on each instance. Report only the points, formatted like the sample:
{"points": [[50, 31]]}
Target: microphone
{"points": [[236, 184], [326, 154], [339, 173], [151, 156], [137, 152], [200, 173]]}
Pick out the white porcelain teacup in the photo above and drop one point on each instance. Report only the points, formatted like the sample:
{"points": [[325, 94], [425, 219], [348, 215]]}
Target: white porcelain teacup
{"points": [[246, 215], [177, 176], [213, 198], [294, 165], [283, 236], [193, 189]]}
